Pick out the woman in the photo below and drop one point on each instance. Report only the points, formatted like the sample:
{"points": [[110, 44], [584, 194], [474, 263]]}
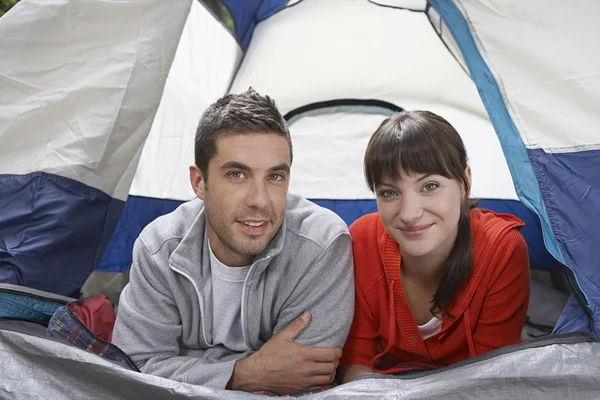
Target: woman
{"points": [[437, 280]]}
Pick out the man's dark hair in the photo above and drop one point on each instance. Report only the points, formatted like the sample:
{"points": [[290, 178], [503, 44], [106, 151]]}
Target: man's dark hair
{"points": [[248, 112]]}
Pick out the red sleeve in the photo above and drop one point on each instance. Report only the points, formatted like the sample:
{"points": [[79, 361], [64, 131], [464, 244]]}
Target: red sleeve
{"points": [[362, 340], [505, 304]]}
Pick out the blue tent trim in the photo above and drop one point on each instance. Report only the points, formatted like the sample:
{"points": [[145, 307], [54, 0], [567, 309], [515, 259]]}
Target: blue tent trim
{"points": [[526, 183], [140, 211], [53, 231], [519, 162], [246, 14], [574, 213]]}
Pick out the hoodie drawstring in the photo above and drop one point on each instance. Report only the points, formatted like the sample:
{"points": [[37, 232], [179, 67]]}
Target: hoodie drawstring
{"points": [[467, 322], [392, 323], [392, 318]]}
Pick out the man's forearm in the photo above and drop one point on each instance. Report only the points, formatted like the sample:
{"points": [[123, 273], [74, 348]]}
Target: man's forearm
{"points": [[192, 370], [243, 377], [285, 367]]}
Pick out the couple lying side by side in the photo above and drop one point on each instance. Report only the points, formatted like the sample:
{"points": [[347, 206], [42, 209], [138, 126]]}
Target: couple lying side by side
{"points": [[251, 288]]}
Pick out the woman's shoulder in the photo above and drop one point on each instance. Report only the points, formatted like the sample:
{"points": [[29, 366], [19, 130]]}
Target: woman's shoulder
{"points": [[488, 227], [497, 241], [366, 226]]}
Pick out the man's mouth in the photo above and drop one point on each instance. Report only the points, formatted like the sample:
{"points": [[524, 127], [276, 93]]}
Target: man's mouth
{"points": [[253, 223], [253, 227]]}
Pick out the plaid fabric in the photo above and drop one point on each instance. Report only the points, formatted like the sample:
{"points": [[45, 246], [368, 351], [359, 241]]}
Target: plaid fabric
{"points": [[326, 387], [64, 325]]}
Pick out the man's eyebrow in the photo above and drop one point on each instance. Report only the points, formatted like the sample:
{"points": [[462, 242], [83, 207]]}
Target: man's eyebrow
{"points": [[236, 165], [280, 167]]}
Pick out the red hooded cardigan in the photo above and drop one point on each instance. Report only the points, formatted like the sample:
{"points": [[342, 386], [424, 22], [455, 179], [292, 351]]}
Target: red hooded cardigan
{"points": [[487, 313]]}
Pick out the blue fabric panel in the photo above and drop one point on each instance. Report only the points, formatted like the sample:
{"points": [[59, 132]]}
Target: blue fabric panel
{"points": [[539, 256], [574, 213], [53, 231], [246, 14], [573, 319], [27, 308], [526, 183], [140, 211]]}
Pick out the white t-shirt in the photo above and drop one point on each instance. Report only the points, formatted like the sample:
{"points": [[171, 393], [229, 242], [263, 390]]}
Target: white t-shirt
{"points": [[227, 288], [432, 327]]}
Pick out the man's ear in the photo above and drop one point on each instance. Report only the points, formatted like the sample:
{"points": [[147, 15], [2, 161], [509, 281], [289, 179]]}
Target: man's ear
{"points": [[197, 181], [469, 179]]}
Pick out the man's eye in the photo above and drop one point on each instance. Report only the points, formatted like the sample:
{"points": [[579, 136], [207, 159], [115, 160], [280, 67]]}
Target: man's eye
{"points": [[276, 177]]}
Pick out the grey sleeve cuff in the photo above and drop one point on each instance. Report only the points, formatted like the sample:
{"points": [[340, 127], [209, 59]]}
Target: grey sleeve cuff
{"points": [[215, 375]]}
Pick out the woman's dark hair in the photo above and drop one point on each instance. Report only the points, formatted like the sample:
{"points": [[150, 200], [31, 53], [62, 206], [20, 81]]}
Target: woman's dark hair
{"points": [[421, 142]]}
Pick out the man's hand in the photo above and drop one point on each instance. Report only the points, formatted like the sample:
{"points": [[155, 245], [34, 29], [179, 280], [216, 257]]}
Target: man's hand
{"points": [[285, 367]]}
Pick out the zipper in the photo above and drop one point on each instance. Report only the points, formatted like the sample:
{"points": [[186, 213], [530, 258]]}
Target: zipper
{"points": [[581, 298], [243, 309], [37, 296], [200, 302]]}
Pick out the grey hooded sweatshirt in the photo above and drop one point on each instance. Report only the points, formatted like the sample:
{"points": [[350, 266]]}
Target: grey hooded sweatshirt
{"points": [[164, 321]]}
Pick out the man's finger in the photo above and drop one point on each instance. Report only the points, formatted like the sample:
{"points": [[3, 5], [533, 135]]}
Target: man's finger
{"points": [[325, 354], [320, 380], [296, 326], [323, 369]]}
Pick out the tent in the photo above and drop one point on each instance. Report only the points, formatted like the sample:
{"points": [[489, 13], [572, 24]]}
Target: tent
{"points": [[99, 103]]}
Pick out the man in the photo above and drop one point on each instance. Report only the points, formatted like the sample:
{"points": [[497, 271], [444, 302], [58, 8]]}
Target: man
{"points": [[248, 287]]}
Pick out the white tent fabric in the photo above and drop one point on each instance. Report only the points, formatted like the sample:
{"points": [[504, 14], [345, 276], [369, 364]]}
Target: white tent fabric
{"points": [[549, 75], [444, 34], [414, 5], [352, 50], [84, 108], [329, 150], [205, 62], [355, 49], [360, 50]]}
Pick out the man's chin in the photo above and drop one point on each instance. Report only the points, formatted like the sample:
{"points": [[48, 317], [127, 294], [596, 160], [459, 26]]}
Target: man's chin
{"points": [[251, 247]]}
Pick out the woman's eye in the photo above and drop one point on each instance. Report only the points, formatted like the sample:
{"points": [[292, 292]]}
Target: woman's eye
{"points": [[387, 193], [430, 186]]}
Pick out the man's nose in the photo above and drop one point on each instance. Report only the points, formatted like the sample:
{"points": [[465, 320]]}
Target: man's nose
{"points": [[257, 196]]}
